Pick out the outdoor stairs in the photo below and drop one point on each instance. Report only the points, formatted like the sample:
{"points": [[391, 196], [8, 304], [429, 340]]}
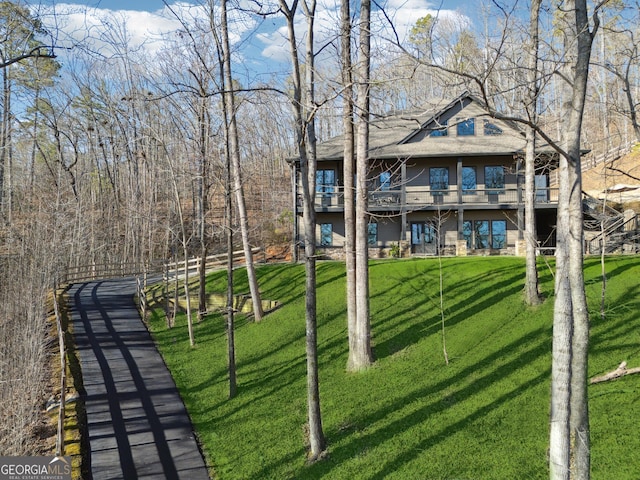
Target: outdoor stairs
{"points": [[615, 232]]}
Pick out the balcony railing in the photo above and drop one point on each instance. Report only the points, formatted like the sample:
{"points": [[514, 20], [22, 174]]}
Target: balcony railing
{"points": [[424, 197]]}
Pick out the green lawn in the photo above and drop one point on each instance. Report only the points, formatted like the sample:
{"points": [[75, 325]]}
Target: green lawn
{"points": [[484, 416]]}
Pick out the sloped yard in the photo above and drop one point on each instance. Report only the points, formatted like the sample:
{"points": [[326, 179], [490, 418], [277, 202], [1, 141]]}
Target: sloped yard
{"points": [[484, 416]]}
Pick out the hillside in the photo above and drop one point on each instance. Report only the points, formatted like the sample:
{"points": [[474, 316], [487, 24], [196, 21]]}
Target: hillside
{"points": [[484, 416], [608, 175]]}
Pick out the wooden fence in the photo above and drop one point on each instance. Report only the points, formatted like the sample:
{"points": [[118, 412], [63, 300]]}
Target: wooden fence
{"points": [[60, 450], [87, 273], [212, 262], [612, 155]]}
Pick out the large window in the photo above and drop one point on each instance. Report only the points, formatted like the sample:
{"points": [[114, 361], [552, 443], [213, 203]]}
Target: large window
{"points": [[439, 129], [498, 233], [485, 234], [438, 180], [326, 234], [494, 179], [466, 127], [372, 233], [469, 184], [325, 181]]}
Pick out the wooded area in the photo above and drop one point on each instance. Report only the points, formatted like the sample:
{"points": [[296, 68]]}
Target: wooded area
{"points": [[132, 158]]}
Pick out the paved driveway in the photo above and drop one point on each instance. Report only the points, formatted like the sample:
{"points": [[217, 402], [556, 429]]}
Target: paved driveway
{"points": [[138, 425]]}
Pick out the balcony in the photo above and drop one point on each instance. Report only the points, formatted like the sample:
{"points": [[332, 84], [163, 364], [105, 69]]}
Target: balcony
{"points": [[425, 198]]}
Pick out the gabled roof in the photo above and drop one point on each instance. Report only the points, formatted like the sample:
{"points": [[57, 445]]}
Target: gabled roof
{"points": [[406, 134]]}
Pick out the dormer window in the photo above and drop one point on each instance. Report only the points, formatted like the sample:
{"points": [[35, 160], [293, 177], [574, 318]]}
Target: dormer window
{"points": [[466, 127], [491, 128], [439, 129]]}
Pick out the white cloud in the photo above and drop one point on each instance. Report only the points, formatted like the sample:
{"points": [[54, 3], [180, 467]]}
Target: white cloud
{"points": [[397, 19], [100, 29], [260, 43]]}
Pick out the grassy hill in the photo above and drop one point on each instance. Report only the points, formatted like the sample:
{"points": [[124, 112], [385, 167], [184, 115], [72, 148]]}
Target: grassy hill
{"points": [[484, 416]]}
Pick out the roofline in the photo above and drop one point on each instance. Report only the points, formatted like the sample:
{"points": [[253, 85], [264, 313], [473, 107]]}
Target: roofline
{"points": [[436, 115]]}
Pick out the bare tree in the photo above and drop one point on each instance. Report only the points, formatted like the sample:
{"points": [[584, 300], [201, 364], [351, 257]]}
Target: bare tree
{"points": [[349, 175], [231, 344], [304, 111], [620, 60], [569, 453], [531, 291], [229, 105], [362, 355]]}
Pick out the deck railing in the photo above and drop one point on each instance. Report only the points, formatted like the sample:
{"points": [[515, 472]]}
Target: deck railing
{"points": [[424, 197]]}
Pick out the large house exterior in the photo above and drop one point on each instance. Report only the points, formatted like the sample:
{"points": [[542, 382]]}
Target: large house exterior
{"points": [[445, 180]]}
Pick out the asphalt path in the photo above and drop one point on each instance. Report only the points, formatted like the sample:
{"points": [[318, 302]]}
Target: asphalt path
{"points": [[138, 426]]}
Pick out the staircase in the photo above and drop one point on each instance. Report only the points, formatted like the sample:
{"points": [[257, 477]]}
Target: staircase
{"points": [[613, 231]]}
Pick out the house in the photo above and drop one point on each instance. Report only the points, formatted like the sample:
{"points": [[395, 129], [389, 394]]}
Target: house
{"points": [[445, 180]]}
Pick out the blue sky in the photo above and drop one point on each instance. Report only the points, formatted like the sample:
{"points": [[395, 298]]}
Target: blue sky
{"points": [[264, 44]]}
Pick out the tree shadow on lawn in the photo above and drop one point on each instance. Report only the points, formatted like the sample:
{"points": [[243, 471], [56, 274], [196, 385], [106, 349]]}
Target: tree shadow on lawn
{"points": [[419, 322], [482, 376], [615, 333], [261, 375], [282, 292], [326, 273]]}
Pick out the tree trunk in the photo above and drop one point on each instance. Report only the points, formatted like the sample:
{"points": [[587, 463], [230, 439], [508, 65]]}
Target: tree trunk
{"points": [[562, 332], [302, 114], [317, 443], [203, 193], [237, 174], [231, 344], [569, 435], [187, 294], [531, 289], [348, 174], [4, 132], [362, 357]]}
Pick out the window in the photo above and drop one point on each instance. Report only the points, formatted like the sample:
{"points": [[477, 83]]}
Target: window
{"points": [[372, 233], [498, 233], [466, 127], [469, 184], [491, 128], [494, 180], [438, 180], [326, 234], [325, 181], [542, 188], [439, 129], [385, 180], [485, 233]]}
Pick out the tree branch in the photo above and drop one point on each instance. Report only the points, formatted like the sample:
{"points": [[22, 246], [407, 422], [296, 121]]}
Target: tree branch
{"points": [[36, 52], [621, 371], [627, 174]]}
